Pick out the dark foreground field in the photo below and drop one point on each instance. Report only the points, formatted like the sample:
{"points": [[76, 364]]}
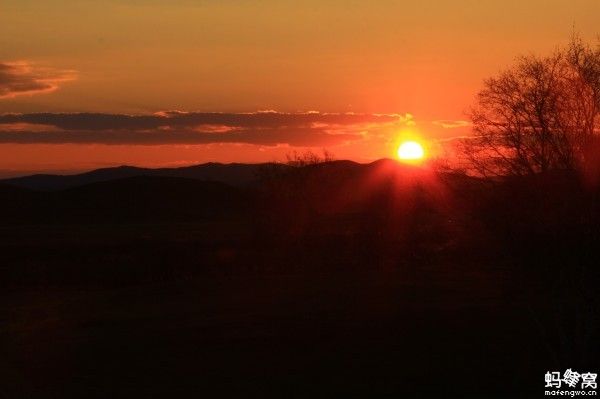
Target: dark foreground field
{"points": [[330, 281]]}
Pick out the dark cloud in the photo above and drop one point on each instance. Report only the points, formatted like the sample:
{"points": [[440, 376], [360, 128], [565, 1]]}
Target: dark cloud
{"points": [[265, 128], [175, 119], [21, 78]]}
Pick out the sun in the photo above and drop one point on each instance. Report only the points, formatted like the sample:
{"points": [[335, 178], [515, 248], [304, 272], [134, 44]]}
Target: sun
{"points": [[411, 151]]}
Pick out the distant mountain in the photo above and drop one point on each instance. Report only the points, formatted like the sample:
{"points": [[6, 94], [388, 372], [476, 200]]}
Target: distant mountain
{"points": [[234, 174], [204, 191]]}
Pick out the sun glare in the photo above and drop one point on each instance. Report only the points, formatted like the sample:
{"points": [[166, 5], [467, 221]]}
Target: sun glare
{"points": [[410, 151]]}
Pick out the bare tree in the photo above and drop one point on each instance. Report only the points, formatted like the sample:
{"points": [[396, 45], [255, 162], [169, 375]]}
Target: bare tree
{"points": [[308, 158], [539, 115], [288, 190]]}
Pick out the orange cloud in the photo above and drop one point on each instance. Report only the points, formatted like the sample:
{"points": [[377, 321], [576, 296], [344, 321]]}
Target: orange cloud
{"points": [[451, 124], [23, 78]]}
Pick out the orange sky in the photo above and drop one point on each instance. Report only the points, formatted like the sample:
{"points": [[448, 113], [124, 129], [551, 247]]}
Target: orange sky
{"points": [[422, 61]]}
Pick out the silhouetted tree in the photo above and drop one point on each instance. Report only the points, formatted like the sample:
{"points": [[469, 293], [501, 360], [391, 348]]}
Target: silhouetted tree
{"points": [[308, 158], [276, 173], [287, 188], [541, 114]]}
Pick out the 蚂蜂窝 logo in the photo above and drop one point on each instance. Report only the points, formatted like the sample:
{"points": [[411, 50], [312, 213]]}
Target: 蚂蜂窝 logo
{"points": [[570, 381]]}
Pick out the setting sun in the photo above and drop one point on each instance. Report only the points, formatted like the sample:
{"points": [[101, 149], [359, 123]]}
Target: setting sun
{"points": [[410, 151]]}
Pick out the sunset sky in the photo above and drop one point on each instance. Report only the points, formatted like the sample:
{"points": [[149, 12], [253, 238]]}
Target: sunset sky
{"points": [[168, 83]]}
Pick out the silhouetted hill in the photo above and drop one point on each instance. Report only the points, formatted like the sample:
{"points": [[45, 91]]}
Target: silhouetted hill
{"points": [[14, 199], [327, 258], [9, 190], [140, 198], [234, 174], [212, 190], [47, 182]]}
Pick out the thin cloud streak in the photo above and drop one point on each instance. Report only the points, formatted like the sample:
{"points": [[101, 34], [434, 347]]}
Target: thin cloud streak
{"points": [[25, 78], [452, 124]]}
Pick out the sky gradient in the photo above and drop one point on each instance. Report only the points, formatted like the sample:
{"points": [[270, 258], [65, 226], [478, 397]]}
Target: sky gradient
{"points": [[156, 83]]}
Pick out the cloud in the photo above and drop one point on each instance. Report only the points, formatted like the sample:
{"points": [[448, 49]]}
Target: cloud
{"points": [[267, 128], [455, 138], [182, 120], [451, 124], [23, 78]]}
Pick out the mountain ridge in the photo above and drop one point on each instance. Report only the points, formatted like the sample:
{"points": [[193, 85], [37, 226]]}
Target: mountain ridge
{"points": [[234, 174]]}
